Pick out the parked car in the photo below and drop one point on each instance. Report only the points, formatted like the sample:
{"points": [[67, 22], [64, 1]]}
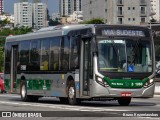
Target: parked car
{"points": [[2, 83]]}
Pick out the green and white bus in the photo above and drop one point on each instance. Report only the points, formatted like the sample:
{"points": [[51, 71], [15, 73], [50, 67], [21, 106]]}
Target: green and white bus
{"points": [[81, 62]]}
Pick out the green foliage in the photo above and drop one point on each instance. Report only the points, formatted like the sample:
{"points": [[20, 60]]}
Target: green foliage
{"points": [[3, 34], [94, 21], [53, 23]]}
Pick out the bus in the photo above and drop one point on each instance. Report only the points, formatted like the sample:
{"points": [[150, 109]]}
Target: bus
{"points": [[81, 62]]}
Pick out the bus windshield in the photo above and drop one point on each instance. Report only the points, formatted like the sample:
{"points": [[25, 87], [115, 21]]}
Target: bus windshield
{"points": [[124, 55]]}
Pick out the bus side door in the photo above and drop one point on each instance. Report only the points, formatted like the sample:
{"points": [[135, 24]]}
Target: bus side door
{"points": [[14, 62], [86, 67]]}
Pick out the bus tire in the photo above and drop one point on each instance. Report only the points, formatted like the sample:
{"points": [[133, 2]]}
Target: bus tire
{"points": [[124, 101], [23, 92], [72, 93]]}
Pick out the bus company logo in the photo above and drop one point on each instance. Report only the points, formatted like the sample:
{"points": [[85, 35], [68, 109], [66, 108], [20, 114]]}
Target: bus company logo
{"points": [[6, 114]]}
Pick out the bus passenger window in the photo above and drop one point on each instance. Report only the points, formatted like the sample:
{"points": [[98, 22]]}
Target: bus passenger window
{"points": [[54, 53], [65, 48], [45, 55], [74, 53], [35, 56]]}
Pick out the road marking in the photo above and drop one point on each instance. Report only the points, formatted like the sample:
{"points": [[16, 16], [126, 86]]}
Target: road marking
{"points": [[65, 107]]}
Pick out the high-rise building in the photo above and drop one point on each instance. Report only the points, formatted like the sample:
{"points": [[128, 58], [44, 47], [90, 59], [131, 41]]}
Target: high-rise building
{"points": [[155, 8], [39, 15], [67, 7], [30, 14], [1, 6], [23, 14], [117, 11]]}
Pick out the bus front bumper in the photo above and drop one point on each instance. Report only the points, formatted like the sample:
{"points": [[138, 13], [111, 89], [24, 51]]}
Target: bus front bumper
{"points": [[101, 91]]}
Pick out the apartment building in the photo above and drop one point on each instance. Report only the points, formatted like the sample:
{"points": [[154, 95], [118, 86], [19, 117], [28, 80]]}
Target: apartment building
{"points": [[30, 14], [1, 6], [23, 14], [155, 8], [67, 7], [117, 11], [39, 15]]}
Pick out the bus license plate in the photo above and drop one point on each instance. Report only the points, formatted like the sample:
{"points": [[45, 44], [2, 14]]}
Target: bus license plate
{"points": [[126, 94]]}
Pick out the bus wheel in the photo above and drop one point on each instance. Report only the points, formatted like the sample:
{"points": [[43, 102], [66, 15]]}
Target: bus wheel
{"points": [[124, 101], [23, 92], [72, 93]]}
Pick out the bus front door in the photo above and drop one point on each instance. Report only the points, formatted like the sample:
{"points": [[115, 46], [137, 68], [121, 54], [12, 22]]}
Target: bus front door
{"points": [[14, 62], [86, 67]]}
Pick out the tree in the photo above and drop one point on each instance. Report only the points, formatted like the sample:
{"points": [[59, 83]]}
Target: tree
{"points": [[94, 21], [54, 22], [6, 32]]}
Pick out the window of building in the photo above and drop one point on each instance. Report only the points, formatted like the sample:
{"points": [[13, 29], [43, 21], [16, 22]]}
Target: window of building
{"points": [[143, 20], [120, 11], [120, 20], [143, 10]]}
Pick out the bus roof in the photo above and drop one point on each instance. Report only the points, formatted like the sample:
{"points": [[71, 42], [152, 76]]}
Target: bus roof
{"points": [[62, 30]]}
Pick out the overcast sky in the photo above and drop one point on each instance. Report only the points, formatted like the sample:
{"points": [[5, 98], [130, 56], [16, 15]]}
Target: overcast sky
{"points": [[53, 5]]}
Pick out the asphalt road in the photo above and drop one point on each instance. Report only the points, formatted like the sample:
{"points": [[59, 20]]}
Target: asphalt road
{"points": [[51, 108]]}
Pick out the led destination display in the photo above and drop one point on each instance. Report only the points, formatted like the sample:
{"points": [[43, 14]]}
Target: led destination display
{"points": [[122, 32], [113, 32]]}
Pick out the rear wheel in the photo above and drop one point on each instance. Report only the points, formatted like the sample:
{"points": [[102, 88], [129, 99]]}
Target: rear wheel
{"points": [[23, 92], [24, 96], [72, 94], [124, 101]]}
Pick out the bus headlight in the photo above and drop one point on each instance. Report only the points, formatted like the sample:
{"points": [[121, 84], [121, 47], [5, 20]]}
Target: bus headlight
{"points": [[149, 83], [101, 81]]}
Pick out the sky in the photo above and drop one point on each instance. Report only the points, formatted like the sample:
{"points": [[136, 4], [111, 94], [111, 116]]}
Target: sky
{"points": [[53, 6]]}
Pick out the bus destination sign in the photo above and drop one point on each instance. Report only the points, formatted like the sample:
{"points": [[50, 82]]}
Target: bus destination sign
{"points": [[120, 32]]}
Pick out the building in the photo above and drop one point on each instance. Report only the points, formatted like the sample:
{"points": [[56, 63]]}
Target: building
{"points": [[117, 11], [77, 16], [67, 7], [1, 6], [155, 8], [30, 14], [9, 17], [55, 16], [39, 15], [23, 14]]}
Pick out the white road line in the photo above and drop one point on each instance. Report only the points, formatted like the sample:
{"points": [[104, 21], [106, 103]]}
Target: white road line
{"points": [[65, 107]]}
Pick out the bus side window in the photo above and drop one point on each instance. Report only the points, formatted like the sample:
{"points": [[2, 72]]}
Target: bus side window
{"points": [[35, 56], [45, 45], [65, 48], [24, 54], [54, 53], [75, 43]]}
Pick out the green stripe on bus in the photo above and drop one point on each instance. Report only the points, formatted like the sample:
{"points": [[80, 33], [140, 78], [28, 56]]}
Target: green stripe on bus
{"points": [[31, 84]]}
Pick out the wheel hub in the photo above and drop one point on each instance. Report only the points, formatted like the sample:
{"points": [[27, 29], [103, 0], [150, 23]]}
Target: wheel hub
{"points": [[23, 91], [71, 92]]}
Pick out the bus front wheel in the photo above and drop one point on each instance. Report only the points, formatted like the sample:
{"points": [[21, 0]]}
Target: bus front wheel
{"points": [[124, 101]]}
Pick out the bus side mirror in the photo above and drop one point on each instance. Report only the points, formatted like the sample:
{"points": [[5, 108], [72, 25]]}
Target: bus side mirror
{"points": [[158, 71]]}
